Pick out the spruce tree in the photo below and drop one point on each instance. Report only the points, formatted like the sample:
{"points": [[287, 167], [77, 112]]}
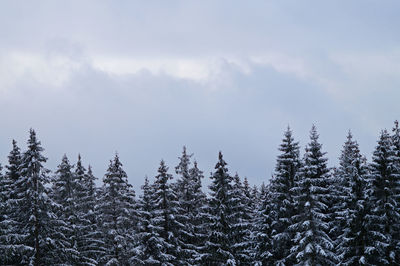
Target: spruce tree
{"points": [[5, 222], [219, 245], [89, 242], [241, 223], [283, 209], [262, 232], [117, 215], [64, 194], [190, 212], [163, 219], [312, 244], [351, 189], [9, 236], [199, 212], [383, 219], [149, 244], [39, 241]]}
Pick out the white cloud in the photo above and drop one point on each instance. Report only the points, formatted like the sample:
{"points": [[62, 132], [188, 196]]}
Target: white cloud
{"points": [[51, 70]]}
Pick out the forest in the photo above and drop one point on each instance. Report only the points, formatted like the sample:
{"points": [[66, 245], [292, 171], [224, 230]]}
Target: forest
{"points": [[307, 213]]}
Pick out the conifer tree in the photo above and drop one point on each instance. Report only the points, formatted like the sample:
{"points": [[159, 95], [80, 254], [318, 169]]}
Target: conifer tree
{"points": [[39, 242], [163, 219], [5, 248], [262, 232], [241, 223], [312, 244], [149, 245], [219, 246], [383, 218], [64, 193], [89, 242], [190, 211], [14, 165], [199, 212], [283, 209], [351, 188], [9, 237], [117, 215]]}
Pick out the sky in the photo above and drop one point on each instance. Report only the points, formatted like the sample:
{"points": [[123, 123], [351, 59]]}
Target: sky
{"points": [[145, 78]]}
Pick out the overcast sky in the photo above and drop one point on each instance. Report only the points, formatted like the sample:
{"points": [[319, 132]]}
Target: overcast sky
{"points": [[145, 78]]}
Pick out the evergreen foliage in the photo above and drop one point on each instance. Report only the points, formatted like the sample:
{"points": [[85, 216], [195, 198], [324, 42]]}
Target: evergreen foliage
{"points": [[282, 202], [307, 214], [117, 215], [219, 245], [312, 244], [383, 204]]}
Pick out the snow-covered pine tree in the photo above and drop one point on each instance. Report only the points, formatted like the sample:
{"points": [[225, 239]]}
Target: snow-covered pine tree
{"points": [[219, 246], [64, 193], [9, 237], [149, 246], [14, 165], [351, 189], [283, 209], [163, 219], [89, 243], [241, 229], [5, 247], [262, 231], [383, 219], [200, 212], [39, 242], [191, 204], [312, 244], [185, 215], [117, 215]]}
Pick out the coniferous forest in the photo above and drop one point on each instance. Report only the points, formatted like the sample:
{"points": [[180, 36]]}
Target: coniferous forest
{"points": [[306, 214]]}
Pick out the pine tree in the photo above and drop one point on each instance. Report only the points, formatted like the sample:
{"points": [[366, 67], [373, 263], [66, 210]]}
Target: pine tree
{"points": [[64, 193], [283, 209], [383, 209], [199, 212], [190, 211], [219, 245], [262, 232], [14, 165], [117, 215], [163, 219], [351, 188], [241, 223], [39, 242], [5, 222], [89, 242], [9, 237], [149, 245], [312, 245]]}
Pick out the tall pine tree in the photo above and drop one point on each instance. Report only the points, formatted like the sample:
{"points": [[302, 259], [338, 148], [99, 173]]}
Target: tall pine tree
{"points": [[117, 215], [163, 219], [219, 245], [383, 219], [351, 189], [190, 211], [283, 209], [312, 244], [36, 225]]}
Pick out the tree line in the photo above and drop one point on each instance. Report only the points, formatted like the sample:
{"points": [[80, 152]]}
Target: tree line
{"points": [[307, 213]]}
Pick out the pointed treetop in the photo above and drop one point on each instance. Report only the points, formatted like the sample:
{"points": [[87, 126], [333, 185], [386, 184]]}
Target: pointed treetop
{"points": [[314, 134], [221, 163]]}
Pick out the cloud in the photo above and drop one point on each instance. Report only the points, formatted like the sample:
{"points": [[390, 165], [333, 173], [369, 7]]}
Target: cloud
{"points": [[147, 78]]}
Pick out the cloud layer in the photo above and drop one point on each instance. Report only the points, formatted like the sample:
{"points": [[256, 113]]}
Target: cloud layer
{"points": [[145, 79]]}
